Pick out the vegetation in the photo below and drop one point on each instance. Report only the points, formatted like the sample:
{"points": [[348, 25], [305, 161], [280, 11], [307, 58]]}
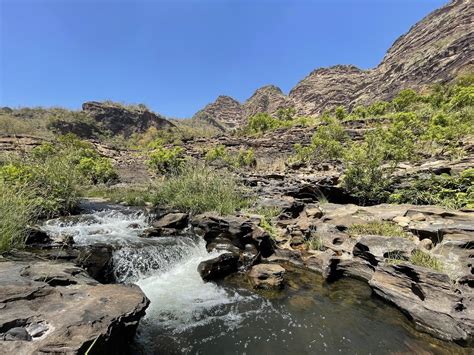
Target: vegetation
{"points": [[315, 242], [200, 189], [17, 211], [165, 160], [421, 258], [245, 157], [326, 144], [450, 191], [383, 228], [46, 183]]}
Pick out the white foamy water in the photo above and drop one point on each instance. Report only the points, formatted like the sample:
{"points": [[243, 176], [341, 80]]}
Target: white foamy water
{"points": [[109, 226]]}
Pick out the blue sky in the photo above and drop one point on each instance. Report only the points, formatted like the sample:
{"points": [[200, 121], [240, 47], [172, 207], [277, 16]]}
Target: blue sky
{"points": [[177, 56]]}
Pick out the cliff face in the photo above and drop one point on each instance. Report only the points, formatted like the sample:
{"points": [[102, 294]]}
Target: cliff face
{"points": [[436, 49], [266, 99], [224, 113]]}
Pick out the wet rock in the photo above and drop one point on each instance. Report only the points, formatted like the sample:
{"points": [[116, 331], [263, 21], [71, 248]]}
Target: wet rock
{"points": [[219, 267], [40, 316], [320, 261], [221, 244], [286, 255], [429, 298], [356, 268], [172, 220], [238, 230], [96, 260], [375, 249], [36, 236], [267, 276]]}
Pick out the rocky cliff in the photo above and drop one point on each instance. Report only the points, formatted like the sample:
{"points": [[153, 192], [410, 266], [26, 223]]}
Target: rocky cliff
{"points": [[224, 113], [436, 49]]}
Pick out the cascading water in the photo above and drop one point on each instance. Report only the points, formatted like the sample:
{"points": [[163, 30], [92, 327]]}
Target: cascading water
{"points": [[187, 315]]}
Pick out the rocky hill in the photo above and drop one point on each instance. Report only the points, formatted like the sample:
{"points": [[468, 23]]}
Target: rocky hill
{"points": [[224, 113], [436, 49]]}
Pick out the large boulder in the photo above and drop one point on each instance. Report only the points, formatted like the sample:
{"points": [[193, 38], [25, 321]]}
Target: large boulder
{"points": [[267, 276], [240, 231], [56, 308], [429, 298], [219, 267]]}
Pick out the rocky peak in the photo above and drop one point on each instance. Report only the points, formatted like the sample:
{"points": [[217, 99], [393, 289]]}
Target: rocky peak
{"points": [[224, 113], [328, 87], [124, 119], [267, 99]]}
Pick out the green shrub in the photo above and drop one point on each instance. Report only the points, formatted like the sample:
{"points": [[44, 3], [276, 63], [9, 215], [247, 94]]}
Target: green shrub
{"points": [[366, 177], [201, 189], [340, 113], [326, 144], [245, 157], [383, 228], [217, 153], [378, 108], [445, 190], [405, 99], [286, 114], [165, 160], [262, 122], [17, 211]]}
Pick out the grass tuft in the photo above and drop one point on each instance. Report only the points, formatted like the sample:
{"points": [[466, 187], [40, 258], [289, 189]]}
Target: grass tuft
{"points": [[383, 228]]}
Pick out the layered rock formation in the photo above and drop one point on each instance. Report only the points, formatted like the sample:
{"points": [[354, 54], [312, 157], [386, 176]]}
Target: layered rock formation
{"points": [[225, 113], [120, 119], [436, 49]]}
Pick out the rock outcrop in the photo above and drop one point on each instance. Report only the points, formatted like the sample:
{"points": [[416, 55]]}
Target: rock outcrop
{"points": [[121, 119], [225, 113], [49, 307], [266, 99]]}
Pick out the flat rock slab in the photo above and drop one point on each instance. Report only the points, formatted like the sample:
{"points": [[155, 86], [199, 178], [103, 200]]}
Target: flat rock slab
{"points": [[57, 308], [429, 298], [267, 276]]}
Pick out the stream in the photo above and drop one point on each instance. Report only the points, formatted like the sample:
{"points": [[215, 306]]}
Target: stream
{"points": [[189, 316]]}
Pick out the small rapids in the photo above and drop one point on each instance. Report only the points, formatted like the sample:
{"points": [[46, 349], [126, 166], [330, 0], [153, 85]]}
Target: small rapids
{"points": [[189, 316]]}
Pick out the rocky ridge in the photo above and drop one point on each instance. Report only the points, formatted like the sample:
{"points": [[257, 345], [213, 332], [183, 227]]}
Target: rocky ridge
{"points": [[436, 49]]}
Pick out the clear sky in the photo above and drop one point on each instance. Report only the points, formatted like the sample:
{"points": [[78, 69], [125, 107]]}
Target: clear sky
{"points": [[177, 56]]}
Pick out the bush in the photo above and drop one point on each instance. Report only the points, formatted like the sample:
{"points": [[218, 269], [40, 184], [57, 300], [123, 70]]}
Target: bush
{"points": [[17, 211], [286, 114], [262, 122], [445, 190], [244, 158], [405, 99], [165, 160], [366, 177], [378, 108], [326, 144], [340, 113], [201, 189]]}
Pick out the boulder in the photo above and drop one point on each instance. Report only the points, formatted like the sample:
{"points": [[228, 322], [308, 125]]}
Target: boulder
{"points": [[429, 298], [267, 276], [219, 267], [96, 260], [172, 220], [56, 308]]}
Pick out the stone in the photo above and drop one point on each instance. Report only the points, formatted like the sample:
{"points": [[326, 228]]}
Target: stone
{"points": [[96, 260], [172, 220], [402, 221], [267, 276], [375, 249], [430, 300], [314, 212], [39, 315], [218, 267], [426, 244]]}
